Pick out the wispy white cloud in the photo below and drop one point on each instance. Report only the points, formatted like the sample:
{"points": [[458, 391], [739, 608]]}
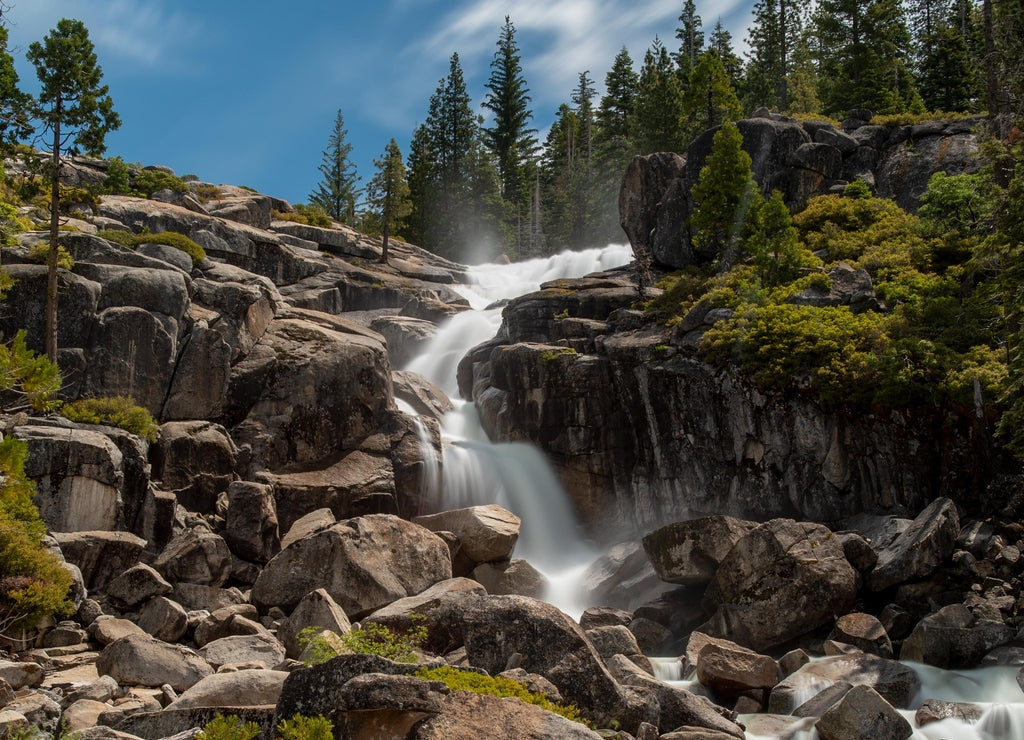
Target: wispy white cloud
{"points": [[561, 38], [147, 33]]}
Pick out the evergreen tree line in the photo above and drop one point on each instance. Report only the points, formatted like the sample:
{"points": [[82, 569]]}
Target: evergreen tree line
{"points": [[484, 187]]}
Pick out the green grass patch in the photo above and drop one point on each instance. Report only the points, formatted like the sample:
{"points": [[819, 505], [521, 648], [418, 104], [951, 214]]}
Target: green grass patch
{"points": [[479, 683]]}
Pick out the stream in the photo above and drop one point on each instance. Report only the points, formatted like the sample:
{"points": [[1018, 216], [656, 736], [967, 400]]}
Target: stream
{"points": [[517, 476]]}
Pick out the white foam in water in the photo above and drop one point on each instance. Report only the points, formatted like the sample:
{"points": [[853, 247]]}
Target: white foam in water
{"points": [[517, 476], [514, 475]]}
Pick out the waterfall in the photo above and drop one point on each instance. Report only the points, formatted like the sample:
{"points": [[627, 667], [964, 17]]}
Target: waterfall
{"points": [[514, 475]]}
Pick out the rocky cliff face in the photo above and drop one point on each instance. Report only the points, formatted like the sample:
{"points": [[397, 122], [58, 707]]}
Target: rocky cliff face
{"points": [[643, 432], [798, 159], [242, 358]]}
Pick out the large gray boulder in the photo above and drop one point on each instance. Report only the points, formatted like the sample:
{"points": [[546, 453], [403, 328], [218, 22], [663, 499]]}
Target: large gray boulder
{"points": [[920, 549], [363, 563], [163, 619], [897, 683], [552, 645], [466, 715], [101, 556], [141, 660], [316, 609], [251, 523], [652, 208], [200, 382], [242, 304], [132, 353], [689, 552], [195, 555], [677, 707], [79, 477], [244, 649], [245, 688], [196, 460], [315, 385], [137, 584], [953, 637], [861, 713], [486, 533], [779, 581]]}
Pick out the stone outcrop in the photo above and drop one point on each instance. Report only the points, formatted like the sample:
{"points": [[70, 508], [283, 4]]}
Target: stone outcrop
{"points": [[749, 454], [780, 580], [798, 159], [363, 563]]}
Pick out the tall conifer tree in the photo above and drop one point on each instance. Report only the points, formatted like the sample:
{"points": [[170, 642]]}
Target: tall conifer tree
{"points": [[510, 139], [76, 111], [773, 39], [456, 205], [336, 191], [720, 42], [710, 99], [388, 191], [691, 39], [863, 62], [659, 104]]}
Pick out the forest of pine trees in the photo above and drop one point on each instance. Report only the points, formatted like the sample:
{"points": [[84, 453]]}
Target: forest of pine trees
{"points": [[485, 186]]}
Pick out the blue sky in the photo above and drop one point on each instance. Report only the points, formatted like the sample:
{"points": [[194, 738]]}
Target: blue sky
{"points": [[245, 93]]}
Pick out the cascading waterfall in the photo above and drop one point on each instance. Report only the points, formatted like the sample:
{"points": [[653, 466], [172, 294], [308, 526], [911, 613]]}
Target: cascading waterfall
{"points": [[517, 476], [513, 475]]}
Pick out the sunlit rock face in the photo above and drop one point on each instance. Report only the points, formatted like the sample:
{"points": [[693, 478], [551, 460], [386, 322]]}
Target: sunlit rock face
{"points": [[642, 432]]}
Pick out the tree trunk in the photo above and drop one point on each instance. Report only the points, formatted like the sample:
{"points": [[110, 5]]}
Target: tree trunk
{"points": [[51, 262]]}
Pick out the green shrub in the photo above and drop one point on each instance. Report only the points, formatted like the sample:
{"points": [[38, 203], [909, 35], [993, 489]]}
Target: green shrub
{"points": [[176, 240], [228, 727], [118, 180], [292, 216], [27, 379], [301, 727], [372, 638], [314, 215], [857, 189], [478, 683], [204, 191], [33, 582], [116, 411], [124, 238], [149, 181], [551, 355]]}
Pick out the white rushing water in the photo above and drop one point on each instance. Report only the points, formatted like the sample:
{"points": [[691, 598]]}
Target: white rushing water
{"points": [[513, 475], [518, 477]]}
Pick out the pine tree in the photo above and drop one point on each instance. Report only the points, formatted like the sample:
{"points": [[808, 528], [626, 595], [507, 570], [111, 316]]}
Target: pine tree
{"points": [[560, 155], [619, 101], [863, 57], [76, 111], [947, 79], [659, 104], [509, 139], [388, 192], [691, 39], [709, 100], [773, 39], [456, 204], [772, 240], [336, 192], [614, 145], [722, 198], [15, 121], [720, 43]]}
